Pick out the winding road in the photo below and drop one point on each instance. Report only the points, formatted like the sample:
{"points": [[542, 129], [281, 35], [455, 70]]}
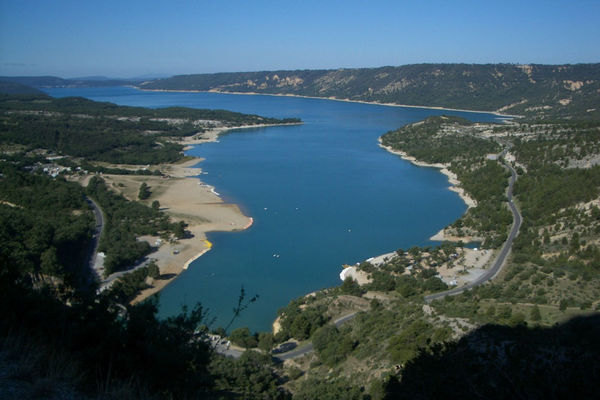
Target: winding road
{"points": [[500, 260], [305, 348], [308, 347]]}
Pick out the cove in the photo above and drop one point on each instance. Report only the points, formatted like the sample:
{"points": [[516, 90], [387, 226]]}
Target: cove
{"points": [[322, 194]]}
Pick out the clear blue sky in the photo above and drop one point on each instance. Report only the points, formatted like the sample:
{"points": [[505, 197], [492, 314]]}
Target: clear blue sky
{"points": [[128, 38]]}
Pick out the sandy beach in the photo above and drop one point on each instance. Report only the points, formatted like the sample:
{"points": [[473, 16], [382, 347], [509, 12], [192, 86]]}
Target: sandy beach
{"points": [[183, 197]]}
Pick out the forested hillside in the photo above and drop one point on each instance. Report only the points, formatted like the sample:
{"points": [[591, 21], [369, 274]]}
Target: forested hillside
{"points": [[107, 132], [543, 90]]}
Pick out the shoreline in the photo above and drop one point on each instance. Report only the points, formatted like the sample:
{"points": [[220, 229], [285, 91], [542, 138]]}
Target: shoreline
{"points": [[452, 178], [499, 114], [185, 197], [212, 136], [440, 236]]}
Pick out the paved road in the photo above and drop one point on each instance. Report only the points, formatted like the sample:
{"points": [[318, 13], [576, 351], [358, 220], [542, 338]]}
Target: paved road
{"points": [[97, 263], [499, 262], [308, 346], [305, 348], [94, 263]]}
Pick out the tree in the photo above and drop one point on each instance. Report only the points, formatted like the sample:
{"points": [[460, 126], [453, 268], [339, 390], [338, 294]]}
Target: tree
{"points": [[49, 262], [155, 205], [535, 314], [265, 341], [179, 230], [351, 287], [242, 337], [144, 192], [153, 271], [563, 304]]}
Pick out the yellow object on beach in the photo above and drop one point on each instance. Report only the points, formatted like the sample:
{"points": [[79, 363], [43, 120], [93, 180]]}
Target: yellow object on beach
{"points": [[207, 243]]}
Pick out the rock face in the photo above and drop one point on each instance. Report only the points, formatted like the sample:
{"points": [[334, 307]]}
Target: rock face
{"points": [[546, 90]]}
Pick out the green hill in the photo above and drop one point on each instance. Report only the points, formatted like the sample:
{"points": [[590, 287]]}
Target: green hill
{"points": [[14, 88], [537, 90], [53, 81]]}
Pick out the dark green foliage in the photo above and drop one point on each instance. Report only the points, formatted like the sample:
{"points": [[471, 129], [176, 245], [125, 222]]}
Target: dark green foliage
{"points": [[331, 346], [434, 284], [124, 221], [14, 88], [153, 271], [107, 132], [45, 226], [129, 285], [405, 346], [300, 324], [243, 338], [144, 192], [330, 389], [423, 141], [265, 341], [351, 287], [496, 362], [100, 138], [466, 86], [83, 165], [250, 377], [551, 188], [105, 351], [178, 228]]}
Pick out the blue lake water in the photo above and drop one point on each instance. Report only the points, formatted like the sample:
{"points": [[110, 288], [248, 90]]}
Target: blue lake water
{"points": [[321, 194]]}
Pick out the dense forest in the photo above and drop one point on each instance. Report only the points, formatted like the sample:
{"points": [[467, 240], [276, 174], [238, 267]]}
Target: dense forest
{"points": [[564, 91], [45, 227], [106, 132], [453, 141]]}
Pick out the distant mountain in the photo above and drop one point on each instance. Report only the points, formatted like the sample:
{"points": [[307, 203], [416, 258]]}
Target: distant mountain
{"points": [[14, 88], [53, 81], [91, 78], [147, 77], [541, 90], [36, 81]]}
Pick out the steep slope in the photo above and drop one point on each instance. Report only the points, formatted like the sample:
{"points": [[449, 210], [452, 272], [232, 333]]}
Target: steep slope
{"points": [[541, 90]]}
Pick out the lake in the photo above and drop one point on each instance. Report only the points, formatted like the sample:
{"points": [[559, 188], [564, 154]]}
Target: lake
{"points": [[322, 194]]}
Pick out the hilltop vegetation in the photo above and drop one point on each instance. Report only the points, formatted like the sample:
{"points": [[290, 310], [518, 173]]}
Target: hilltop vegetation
{"points": [[14, 88], [548, 91], [53, 81], [107, 132]]}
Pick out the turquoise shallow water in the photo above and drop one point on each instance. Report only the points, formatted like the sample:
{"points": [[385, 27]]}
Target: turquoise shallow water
{"points": [[321, 194]]}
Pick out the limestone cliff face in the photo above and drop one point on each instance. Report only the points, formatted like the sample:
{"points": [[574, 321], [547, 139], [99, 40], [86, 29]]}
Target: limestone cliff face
{"points": [[544, 90]]}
